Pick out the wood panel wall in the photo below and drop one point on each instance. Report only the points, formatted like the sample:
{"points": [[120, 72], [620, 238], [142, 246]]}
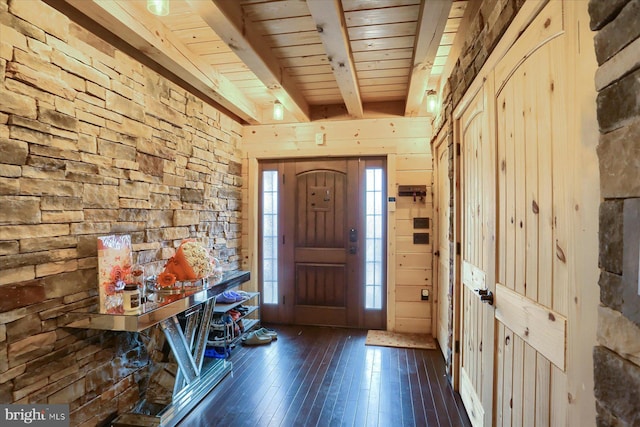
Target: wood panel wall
{"points": [[405, 142]]}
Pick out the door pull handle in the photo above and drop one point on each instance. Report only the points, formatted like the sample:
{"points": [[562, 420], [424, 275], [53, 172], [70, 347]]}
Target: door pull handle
{"points": [[486, 295]]}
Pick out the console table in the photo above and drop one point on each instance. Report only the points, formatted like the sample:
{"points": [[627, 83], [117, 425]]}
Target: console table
{"points": [[195, 376]]}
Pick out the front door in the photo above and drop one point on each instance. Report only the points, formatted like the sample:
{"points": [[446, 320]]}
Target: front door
{"points": [[331, 260]]}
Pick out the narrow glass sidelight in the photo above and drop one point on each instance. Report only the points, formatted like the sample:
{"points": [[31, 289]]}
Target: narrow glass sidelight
{"points": [[270, 237], [373, 238]]}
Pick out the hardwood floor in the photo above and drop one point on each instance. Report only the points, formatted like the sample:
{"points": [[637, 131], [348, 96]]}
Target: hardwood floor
{"points": [[320, 376]]}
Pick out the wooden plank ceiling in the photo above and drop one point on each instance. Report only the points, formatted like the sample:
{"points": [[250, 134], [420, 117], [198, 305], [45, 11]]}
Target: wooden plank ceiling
{"points": [[320, 58]]}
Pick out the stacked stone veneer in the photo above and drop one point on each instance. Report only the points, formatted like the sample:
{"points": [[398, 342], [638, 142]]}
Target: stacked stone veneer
{"points": [[92, 143], [617, 358]]}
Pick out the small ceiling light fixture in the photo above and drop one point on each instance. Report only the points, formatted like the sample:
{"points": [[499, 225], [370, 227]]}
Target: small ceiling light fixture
{"points": [[278, 111], [158, 7], [432, 101]]}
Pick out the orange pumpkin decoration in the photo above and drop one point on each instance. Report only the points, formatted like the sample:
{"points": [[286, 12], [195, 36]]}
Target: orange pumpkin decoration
{"points": [[191, 262]]}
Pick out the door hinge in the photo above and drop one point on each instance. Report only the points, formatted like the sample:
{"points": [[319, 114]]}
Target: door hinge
{"points": [[457, 346], [282, 179], [458, 148], [457, 248], [283, 299], [283, 239]]}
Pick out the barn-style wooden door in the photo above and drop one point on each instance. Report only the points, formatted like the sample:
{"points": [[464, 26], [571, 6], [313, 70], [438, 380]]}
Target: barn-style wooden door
{"points": [[532, 117], [513, 131], [442, 208], [478, 258]]}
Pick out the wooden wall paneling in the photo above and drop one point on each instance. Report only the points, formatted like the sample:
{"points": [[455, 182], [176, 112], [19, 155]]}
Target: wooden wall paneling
{"points": [[518, 382], [559, 398], [520, 167], [414, 276], [413, 177], [561, 197], [507, 386], [407, 293], [405, 244], [413, 310], [503, 177], [499, 375], [413, 259], [408, 210], [413, 325], [392, 246], [545, 183], [508, 107], [531, 207], [393, 130], [529, 386], [415, 162], [543, 391]]}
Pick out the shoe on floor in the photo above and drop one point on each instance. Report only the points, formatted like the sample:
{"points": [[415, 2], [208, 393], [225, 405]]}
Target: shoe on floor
{"points": [[268, 332], [253, 338]]}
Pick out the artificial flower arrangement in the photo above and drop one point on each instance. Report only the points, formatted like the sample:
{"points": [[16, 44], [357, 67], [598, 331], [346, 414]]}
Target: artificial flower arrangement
{"points": [[114, 269], [191, 262]]}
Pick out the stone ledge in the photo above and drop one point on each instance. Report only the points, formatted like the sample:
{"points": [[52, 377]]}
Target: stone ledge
{"points": [[617, 385], [619, 334]]}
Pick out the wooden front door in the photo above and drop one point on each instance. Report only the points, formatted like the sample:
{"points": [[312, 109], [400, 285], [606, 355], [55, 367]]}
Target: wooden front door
{"points": [[327, 249], [322, 257]]}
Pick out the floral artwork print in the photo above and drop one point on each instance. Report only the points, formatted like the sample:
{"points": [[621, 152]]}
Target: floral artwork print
{"points": [[114, 268]]}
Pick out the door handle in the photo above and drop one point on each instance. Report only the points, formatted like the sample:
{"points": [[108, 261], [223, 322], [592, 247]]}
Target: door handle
{"points": [[486, 295]]}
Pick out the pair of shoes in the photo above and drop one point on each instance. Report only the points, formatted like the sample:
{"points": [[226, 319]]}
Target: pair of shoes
{"points": [[228, 297], [253, 338], [268, 332], [217, 352]]}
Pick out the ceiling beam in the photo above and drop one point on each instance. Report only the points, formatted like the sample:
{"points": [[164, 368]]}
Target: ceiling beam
{"points": [[329, 19], [153, 39], [433, 18], [227, 20]]}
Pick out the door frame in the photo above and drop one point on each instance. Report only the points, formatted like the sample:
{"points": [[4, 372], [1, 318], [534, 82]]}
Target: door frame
{"points": [[287, 165], [444, 142]]}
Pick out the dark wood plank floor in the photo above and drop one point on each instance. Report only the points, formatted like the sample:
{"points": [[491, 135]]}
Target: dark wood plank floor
{"points": [[320, 376]]}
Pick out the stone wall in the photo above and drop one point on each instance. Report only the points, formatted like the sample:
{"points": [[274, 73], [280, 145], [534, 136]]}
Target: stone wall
{"points": [[617, 358], [93, 142]]}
